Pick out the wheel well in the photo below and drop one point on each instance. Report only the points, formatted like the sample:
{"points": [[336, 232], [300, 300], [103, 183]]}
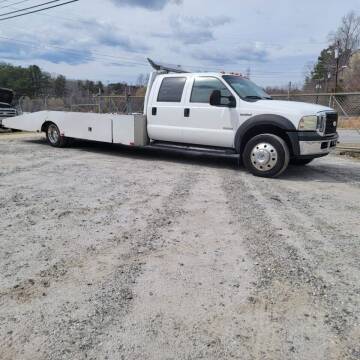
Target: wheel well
{"points": [[45, 126], [265, 129]]}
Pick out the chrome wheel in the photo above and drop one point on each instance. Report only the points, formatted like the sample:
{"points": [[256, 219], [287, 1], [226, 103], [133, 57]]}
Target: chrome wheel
{"points": [[53, 134], [264, 157]]}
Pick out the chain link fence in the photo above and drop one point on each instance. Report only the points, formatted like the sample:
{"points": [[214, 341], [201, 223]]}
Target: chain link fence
{"points": [[346, 104], [94, 104]]}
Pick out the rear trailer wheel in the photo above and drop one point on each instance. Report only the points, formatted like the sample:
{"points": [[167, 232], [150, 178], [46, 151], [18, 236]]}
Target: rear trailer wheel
{"points": [[300, 162], [266, 155], [54, 137]]}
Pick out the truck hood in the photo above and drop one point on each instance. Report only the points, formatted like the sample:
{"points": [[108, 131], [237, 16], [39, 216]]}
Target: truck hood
{"points": [[284, 107], [6, 96]]}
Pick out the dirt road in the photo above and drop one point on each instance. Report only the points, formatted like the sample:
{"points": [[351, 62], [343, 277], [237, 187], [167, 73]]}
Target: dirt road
{"points": [[110, 253]]}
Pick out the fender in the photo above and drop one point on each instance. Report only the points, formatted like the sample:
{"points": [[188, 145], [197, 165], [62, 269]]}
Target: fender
{"points": [[258, 120]]}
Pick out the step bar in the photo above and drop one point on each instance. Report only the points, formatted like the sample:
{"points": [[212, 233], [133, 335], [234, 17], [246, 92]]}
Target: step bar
{"points": [[191, 148]]}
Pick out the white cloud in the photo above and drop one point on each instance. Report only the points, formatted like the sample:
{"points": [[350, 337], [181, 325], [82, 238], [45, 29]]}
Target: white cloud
{"points": [[147, 4], [112, 38]]}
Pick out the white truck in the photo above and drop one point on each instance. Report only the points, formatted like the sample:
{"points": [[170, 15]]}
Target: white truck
{"points": [[219, 112]]}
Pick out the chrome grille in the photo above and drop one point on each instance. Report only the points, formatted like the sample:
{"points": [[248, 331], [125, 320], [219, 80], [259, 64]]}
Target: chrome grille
{"points": [[331, 123]]}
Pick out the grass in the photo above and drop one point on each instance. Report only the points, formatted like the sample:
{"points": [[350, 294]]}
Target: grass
{"points": [[349, 122]]}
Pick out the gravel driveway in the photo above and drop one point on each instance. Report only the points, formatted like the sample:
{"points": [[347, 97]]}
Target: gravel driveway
{"points": [[111, 253]]}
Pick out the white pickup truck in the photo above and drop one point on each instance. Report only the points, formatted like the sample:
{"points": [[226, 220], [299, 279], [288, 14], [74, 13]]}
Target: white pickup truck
{"points": [[217, 112]]}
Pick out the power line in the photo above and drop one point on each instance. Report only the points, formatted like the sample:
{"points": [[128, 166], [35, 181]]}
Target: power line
{"points": [[36, 11], [31, 7], [93, 55], [47, 15], [11, 4], [77, 52]]}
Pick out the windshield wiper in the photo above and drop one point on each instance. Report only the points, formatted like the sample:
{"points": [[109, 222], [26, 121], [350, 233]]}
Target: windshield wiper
{"points": [[256, 97]]}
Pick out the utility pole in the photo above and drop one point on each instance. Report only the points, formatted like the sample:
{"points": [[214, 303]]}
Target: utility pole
{"points": [[318, 88], [337, 57], [289, 90]]}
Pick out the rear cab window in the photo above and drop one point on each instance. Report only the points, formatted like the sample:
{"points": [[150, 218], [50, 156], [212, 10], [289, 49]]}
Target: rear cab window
{"points": [[171, 89], [203, 87]]}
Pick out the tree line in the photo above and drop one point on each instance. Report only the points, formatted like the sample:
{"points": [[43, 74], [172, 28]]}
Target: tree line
{"points": [[32, 82]]}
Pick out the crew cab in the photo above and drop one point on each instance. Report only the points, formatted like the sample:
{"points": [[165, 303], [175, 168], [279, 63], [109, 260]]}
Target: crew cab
{"points": [[222, 112], [6, 108]]}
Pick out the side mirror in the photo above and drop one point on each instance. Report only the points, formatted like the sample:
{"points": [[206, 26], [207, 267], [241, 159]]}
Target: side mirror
{"points": [[215, 98], [232, 101]]}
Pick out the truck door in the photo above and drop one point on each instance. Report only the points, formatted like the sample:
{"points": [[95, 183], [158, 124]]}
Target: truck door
{"points": [[204, 124], [165, 112]]}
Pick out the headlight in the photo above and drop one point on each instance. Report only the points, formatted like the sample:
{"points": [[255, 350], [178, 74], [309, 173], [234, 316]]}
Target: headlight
{"points": [[309, 123]]}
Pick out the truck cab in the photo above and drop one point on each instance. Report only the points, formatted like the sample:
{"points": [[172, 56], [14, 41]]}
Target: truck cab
{"points": [[6, 108], [229, 111]]}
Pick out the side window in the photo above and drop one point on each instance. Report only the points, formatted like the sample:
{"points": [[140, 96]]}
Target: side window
{"points": [[171, 89], [204, 86]]}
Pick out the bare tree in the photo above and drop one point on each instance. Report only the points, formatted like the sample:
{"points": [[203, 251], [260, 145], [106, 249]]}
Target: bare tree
{"points": [[142, 80], [351, 76], [346, 39], [327, 73]]}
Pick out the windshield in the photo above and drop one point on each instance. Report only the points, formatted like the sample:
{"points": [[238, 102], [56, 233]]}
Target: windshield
{"points": [[246, 89]]}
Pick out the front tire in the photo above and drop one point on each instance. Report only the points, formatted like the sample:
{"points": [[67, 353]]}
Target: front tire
{"points": [[53, 136], [266, 155]]}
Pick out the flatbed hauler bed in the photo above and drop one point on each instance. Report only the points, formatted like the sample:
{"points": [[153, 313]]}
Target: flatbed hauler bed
{"points": [[110, 128]]}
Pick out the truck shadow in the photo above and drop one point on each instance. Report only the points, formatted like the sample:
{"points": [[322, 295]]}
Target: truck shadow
{"points": [[149, 154], [321, 170]]}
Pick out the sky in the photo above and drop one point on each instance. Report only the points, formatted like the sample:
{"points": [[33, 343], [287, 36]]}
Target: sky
{"points": [[109, 40]]}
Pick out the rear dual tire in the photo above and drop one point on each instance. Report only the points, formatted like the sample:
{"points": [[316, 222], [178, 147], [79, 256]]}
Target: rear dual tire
{"points": [[266, 155], [54, 137]]}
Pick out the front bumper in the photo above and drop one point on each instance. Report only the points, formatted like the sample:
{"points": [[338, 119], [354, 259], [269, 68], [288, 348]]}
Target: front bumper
{"points": [[321, 147], [307, 144]]}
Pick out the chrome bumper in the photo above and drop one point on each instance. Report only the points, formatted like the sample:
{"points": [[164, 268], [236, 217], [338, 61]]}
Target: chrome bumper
{"points": [[318, 147]]}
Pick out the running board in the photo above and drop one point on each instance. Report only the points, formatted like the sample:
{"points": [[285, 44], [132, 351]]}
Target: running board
{"points": [[193, 148]]}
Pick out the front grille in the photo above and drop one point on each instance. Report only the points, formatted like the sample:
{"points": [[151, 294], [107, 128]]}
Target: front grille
{"points": [[331, 123]]}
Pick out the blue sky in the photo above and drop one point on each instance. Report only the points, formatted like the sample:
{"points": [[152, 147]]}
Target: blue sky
{"points": [[109, 40]]}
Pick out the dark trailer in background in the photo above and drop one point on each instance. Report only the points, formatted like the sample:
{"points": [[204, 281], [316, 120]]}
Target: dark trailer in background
{"points": [[6, 104]]}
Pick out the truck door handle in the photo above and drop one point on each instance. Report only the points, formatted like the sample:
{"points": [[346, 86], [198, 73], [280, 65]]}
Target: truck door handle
{"points": [[154, 111], [187, 112]]}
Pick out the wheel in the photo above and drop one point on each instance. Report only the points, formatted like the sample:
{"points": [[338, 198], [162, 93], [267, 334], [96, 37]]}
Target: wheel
{"points": [[266, 155], [54, 137], [300, 161]]}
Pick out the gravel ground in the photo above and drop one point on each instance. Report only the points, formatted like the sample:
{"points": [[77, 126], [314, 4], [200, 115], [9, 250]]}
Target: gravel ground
{"points": [[112, 253]]}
